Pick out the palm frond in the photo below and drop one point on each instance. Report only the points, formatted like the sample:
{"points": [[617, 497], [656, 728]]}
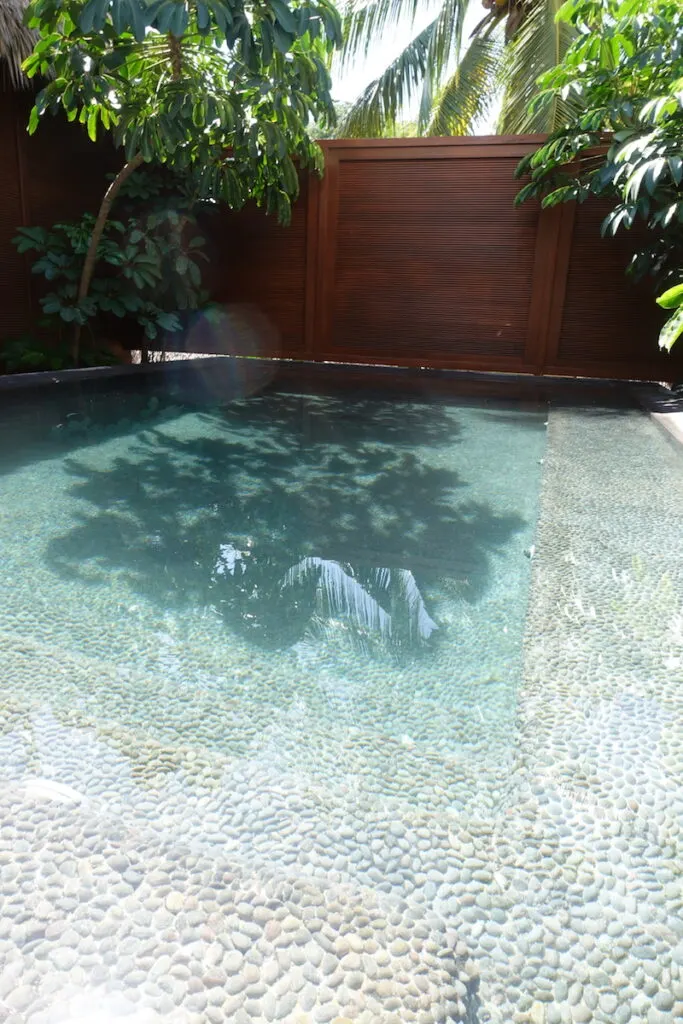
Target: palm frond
{"points": [[472, 89], [539, 44], [376, 110], [420, 622], [367, 21], [343, 594], [426, 104], [16, 41], [444, 54]]}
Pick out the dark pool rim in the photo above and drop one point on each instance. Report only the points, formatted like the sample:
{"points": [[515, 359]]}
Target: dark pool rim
{"points": [[306, 376]]}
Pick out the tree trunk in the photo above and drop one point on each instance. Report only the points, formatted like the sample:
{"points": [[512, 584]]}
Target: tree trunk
{"points": [[176, 55], [91, 255]]}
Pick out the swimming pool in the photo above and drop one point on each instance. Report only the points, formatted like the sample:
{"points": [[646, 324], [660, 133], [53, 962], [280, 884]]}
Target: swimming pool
{"points": [[339, 706]]}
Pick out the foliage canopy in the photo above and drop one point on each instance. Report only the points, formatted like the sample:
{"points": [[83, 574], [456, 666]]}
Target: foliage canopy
{"points": [[150, 259], [456, 81], [221, 91], [624, 72]]}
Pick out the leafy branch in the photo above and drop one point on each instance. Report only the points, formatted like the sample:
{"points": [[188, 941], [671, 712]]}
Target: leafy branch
{"points": [[624, 75], [222, 92]]}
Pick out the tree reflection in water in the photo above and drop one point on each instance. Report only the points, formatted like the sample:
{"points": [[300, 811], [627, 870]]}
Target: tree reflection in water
{"points": [[377, 606], [295, 517]]}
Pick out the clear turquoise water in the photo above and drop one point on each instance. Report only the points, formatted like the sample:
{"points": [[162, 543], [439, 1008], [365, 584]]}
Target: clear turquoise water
{"points": [[300, 549], [283, 658]]}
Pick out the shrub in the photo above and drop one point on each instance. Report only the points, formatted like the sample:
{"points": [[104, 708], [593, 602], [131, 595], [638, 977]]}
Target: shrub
{"points": [[624, 73]]}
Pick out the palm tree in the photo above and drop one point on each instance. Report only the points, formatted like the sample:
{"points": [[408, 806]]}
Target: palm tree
{"points": [[458, 81], [317, 595], [16, 42]]}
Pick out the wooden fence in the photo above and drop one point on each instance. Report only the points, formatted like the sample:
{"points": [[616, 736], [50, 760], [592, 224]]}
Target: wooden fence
{"points": [[408, 252], [54, 175], [411, 252]]}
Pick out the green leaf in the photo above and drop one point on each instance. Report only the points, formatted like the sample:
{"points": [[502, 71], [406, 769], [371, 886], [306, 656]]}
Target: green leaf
{"points": [[203, 18], [179, 20], [671, 298], [671, 330], [93, 16], [283, 40], [51, 303], [467, 97], [676, 169], [289, 177], [165, 12], [284, 15], [303, 15], [168, 322], [92, 124], [120, 16], [222, 14], [138, 19], [131, 302], [654, 174], [267, 41], [31, 238]]}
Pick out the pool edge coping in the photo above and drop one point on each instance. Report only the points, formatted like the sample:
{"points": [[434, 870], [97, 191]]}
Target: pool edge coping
{"points": [[655, 399], [664, 408], [307, 368]]}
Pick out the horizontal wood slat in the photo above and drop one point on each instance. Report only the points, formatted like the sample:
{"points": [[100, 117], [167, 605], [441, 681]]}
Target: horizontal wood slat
{"points": [[54, 175], [608, 318], [15, 302], [256, 261], [424, 270]]}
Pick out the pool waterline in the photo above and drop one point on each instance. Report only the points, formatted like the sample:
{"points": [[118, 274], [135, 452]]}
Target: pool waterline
{"points": [[200, 730]]}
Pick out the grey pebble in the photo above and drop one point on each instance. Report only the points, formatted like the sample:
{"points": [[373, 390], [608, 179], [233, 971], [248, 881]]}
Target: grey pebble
{"points": [[233, 962]]}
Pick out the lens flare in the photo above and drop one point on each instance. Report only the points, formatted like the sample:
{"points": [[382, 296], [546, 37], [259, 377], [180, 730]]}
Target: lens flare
{"points": [[241, 331]]}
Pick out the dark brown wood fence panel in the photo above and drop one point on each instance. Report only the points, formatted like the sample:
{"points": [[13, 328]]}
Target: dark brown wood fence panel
{"points": [[409, 252], [258, 262], [63, 173], [610, 323], [15, 299], [53, 175], [426, 271]]}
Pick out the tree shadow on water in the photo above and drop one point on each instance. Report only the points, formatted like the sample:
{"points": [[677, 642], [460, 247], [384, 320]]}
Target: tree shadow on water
{"points": [[284, 512]]}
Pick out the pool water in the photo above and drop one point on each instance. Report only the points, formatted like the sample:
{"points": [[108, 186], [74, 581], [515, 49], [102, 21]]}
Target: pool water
{"points": [[332, 708]]}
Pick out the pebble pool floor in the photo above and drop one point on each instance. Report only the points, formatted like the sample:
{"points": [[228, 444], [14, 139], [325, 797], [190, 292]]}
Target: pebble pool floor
{"points": [[243, 777]]}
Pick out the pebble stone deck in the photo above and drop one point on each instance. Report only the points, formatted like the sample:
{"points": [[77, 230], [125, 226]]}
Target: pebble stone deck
{"points": [[179, 877]]}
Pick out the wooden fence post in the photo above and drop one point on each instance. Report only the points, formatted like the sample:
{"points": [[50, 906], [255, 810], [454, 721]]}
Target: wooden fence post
{"points": [[320, 256], [549, 282]]}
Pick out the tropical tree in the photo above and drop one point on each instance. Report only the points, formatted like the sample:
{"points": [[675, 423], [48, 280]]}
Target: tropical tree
{"points": [[221, 91], [16, 42], [624, 72], [457, 80]]}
